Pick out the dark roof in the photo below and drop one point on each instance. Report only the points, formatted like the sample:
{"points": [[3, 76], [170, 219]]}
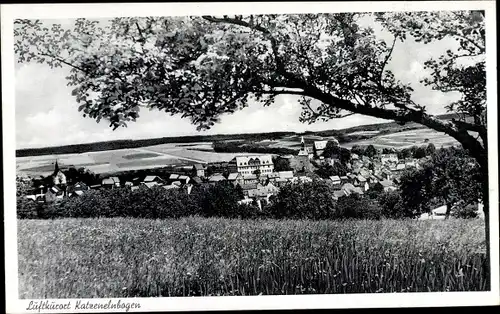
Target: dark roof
{"points": [[249, 186], [197, 180]]}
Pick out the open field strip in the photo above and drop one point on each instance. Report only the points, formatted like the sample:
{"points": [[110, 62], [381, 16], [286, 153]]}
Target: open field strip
{"points": [[120, 257]]}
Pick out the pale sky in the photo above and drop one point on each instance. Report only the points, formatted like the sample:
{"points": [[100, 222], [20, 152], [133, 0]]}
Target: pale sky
{"points": [[47, 115]]}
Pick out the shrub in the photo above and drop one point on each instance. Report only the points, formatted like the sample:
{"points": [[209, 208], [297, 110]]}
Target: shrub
{"points": [[357, 206], [308, 200]]}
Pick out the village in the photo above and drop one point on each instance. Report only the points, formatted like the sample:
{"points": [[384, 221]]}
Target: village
{"points": [[257, 175]]}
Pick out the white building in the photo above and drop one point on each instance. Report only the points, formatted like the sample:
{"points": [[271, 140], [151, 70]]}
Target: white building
{"points": [[386, 158], [249, 164], [319, 147]]}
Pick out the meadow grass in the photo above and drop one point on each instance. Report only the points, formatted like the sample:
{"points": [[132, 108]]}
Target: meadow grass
{"points": [[123, 257]]}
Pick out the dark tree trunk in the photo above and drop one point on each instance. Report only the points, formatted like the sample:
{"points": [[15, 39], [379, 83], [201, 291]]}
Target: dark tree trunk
{"points": [[448, 210], [486, 211]]}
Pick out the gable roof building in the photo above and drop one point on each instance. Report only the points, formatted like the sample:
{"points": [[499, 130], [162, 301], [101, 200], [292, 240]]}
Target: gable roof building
{"points": [[111, 181], [216, 178], [249, 164]]}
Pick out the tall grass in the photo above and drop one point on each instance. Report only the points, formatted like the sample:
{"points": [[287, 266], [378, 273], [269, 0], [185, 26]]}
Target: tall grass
{"points": [[122, 257]]}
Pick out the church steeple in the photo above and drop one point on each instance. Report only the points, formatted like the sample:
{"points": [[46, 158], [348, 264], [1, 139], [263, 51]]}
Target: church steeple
{"points": [[56, 168], [58, 176], [303, 150]]}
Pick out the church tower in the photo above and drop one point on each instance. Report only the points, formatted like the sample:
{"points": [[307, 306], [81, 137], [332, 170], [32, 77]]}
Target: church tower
{"points": [[58, 177], [301, 162]]}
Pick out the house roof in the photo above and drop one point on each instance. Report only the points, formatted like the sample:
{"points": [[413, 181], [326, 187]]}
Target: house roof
{"points": [[170, 187], [361, 178], [249, 186], [173, 176], [441, 210], [286, 174], [273, 175], [151, 178], [197, 180], [233, 176], [335, 178], [111, 180], [349, 188], [55, 189], [198, 166], [216, 178], [150, 184], [183, 177], [178, 183], [386, 183], [80, 186], [338, 193], [304, 179], [249, 177], [400, 166]]}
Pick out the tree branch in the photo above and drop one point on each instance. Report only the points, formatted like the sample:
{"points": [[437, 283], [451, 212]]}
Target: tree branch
{"points": [[386, 60], [406, 115], [62, 61]]}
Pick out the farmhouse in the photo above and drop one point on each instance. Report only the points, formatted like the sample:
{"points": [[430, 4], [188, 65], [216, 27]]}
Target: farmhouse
{"points": [[319, 148], [216, 178], [338, 194], [198, 170], [349, 188], [336, 181], [156, 179], [111, 182], [235, 178], [250, 164], [77, 190], [54, 193], [150, 184], [250, 178]]}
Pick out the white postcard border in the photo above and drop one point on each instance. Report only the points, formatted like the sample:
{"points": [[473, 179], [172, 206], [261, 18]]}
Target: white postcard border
{"points": [[45, 11]]}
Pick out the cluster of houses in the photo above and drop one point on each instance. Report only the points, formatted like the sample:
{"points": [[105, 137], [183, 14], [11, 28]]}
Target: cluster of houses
{"points": [[385, 170], [255, 174]]}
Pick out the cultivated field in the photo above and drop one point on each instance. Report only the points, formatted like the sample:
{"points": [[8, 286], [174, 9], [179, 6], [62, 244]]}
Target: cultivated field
{"points": [[178, 154], [407, 139], [119, 257]]}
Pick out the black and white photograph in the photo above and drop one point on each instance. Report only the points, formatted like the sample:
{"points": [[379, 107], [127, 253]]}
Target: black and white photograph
{"points": [[198, 156]]}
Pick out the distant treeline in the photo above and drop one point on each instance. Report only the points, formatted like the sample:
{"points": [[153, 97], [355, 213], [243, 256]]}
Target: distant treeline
{"points": [[345, 136], [121, 144], [342, 135], [249, 147]]}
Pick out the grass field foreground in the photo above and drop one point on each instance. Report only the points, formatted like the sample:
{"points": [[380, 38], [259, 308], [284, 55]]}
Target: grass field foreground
{"points": [[120, 257]]}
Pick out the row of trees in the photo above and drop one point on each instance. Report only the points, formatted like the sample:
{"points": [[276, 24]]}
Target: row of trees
{"points": [[294, 201], [249, 147]]}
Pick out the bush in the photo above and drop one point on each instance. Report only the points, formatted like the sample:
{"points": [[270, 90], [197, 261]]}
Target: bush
{"points": [[303, 201], [465, 212], [357, 206], [391, 205]]}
